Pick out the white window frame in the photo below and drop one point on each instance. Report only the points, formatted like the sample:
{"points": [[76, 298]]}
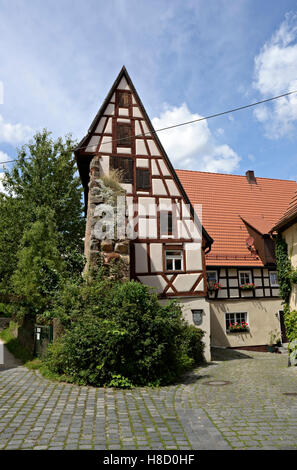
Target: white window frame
{"points": [[246, 320], [245, 272], [216, 273], [175, 257], [271, 283]]}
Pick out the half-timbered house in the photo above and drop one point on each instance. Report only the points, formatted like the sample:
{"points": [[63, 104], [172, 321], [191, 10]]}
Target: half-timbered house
{"points": [[167, 250], [239, 213]]}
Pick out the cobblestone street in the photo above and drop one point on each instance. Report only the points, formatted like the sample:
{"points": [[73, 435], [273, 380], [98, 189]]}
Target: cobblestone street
{"points": [[250, 412]]}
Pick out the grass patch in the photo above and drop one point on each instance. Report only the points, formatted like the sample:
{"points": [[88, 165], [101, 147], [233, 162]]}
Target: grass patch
{"points": [[8, 335]]}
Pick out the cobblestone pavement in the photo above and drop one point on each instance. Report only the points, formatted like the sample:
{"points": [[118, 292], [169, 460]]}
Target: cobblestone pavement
{"points": [[251, 412]]}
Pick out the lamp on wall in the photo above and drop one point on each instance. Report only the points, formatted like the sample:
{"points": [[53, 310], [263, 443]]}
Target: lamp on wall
{"points": [[197, 316]]}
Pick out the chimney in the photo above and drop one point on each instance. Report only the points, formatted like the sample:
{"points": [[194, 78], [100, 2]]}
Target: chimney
{"points": [[251, 177]]}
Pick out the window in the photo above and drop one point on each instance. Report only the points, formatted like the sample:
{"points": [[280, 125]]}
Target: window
{"points": [[142, 179], [235, 318], [173, 260], [212, 276], [123, 99], [124, 135], [273, 279], [245, 277], [126, 165], [166, 226]]}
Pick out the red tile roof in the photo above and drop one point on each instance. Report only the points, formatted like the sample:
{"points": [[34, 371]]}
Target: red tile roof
{"points": [[229, 202], [289, 215]]}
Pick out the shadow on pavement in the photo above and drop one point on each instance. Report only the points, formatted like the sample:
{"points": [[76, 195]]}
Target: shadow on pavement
{"points": [[218, 354]]}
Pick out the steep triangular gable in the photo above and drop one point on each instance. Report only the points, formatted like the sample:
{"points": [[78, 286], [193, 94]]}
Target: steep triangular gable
{"points": [[100, 139]]}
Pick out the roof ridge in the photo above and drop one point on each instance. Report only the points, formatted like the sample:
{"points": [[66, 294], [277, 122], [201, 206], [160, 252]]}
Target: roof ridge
{"points": [[232, 174]]}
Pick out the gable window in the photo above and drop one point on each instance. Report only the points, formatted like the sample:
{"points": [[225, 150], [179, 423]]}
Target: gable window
{"points": [[123, 99], [273, 278], [166, 226], [245, 277], [142, 179], [174, 260], [124, 135], [212, 276], [125, 165], [233, 318]]}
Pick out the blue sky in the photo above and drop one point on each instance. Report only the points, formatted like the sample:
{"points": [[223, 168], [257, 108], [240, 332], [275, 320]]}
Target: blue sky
{"points": [[187, 58]]}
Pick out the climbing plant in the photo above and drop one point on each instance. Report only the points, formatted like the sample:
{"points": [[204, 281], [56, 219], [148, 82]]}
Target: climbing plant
{"points": [[284, 268]]}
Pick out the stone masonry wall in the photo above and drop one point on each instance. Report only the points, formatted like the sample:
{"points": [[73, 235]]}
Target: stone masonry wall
{"points": [[101, 195]]}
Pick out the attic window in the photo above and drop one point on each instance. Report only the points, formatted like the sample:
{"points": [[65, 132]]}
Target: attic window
{"points": [[124, 135], [143, 179], [123, 99]]}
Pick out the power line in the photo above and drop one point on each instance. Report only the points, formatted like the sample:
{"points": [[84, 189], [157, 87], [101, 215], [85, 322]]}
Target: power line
{"points": [[187, 122]]}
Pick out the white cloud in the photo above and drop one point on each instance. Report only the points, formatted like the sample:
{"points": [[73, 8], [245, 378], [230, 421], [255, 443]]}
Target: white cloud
{"points": [[275, 73], [193, 146], [14, 133]]}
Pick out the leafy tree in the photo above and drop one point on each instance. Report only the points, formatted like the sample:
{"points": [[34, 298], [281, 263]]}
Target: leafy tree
{"points": [[11, 229], [44, 175], [40, 265], [42, 184]]}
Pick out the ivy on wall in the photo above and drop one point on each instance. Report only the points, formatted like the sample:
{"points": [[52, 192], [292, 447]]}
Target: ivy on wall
{"points": [[284, 268], [287, 275]]}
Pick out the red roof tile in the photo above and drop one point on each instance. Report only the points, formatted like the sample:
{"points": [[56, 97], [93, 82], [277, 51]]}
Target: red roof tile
{"points": [[228, 203], [289, 215]]}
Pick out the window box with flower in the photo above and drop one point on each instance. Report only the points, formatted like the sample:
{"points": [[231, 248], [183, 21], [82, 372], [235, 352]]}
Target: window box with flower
{"points": [[239, 327], [248, 286]]}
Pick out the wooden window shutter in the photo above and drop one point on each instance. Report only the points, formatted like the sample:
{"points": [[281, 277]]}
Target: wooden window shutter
{"points": [[123, 99], [123, 135], [142, 179]]}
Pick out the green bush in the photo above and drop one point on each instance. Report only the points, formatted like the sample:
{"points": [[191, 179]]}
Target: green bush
{"points": [[120, 335], [291, 323]]}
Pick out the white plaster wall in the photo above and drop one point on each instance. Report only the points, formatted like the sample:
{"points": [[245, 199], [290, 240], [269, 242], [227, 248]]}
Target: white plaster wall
{"points": [[123, 150], [140, 258], [172, 188], [158, 187], [100, 126], [106, 145], [140, 147], [165, 204], [136, 112], [147, 228], [108, 128], [163, 168], [262, 318], [153, 148], [104, 165], [142, 163], [109, 110], [123, 111], [147, 206], [193, 256], [92, 145], [156, 282], [156, 255], [184, 282], [123, 85]]}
